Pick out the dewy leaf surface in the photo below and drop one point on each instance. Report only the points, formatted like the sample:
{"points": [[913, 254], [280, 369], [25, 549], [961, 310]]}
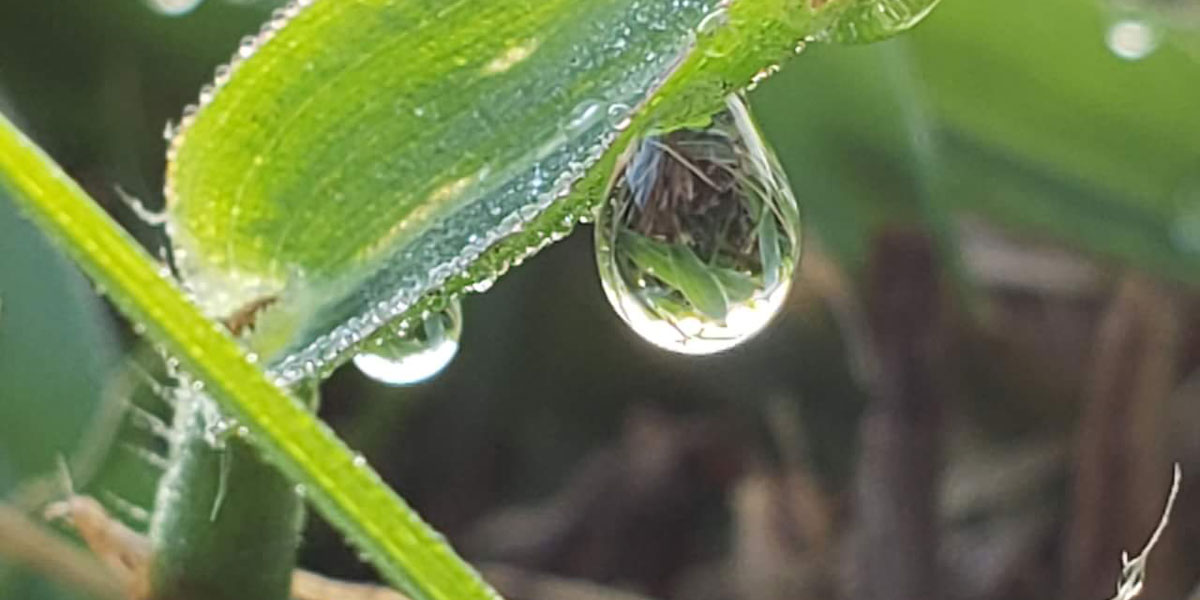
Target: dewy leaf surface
{"points": [[361, 153]]}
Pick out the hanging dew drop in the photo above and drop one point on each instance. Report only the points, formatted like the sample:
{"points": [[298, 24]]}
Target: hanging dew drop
{"points": [[416, 354], [699, 235], [173, 8]]}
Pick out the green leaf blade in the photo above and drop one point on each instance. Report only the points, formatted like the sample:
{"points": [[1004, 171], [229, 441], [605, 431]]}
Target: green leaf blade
{"points": [[350, 495], [370, 153], [379, 146]]}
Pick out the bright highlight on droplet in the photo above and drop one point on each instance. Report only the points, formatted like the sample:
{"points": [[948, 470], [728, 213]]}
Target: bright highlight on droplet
{"points": [[699, 236], [174, 8], [418, 354], [1131, 39]]}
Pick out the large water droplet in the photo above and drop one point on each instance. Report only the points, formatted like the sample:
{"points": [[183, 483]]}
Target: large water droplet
{"points": [[1131, 39], [417, 354], [699, 235]]}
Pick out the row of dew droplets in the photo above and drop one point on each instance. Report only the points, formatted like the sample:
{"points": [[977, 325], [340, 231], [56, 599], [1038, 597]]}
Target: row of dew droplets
{"points": [[699, 235], [249, 44], [217, 428], [215, 297]]}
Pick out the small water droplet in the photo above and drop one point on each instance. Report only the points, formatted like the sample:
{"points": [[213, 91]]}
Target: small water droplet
{"points": [[416, 354], [360, 461], [221, 74], [529, 212], [1131, 39], [762, 76], [584, 116], [247, 47], [173, 8], [699, 236], [218, 430], [483, 285], [619, 116], [300, 490]]}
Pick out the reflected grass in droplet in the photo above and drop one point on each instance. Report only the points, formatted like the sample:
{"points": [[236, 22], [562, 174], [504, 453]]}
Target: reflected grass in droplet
{"points": [[699, 235]]}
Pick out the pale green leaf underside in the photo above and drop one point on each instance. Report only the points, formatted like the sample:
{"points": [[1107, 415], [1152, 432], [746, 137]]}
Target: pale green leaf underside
{"points": [[370, 152]]}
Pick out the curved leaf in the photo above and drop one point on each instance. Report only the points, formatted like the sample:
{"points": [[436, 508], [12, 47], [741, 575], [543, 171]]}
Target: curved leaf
{"points": [[359, 156], [56, 351]]}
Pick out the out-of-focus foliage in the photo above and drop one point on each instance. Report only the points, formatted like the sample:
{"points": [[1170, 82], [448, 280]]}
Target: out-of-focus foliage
{"points": [[56, 351], [1016, 111]]}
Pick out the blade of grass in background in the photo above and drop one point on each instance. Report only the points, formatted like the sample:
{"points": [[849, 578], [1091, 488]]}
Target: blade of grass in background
{"points": [[1037, 124], [49, 391]]}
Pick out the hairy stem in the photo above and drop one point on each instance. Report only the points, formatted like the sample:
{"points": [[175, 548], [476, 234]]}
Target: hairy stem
{"points": [[227, 524]]}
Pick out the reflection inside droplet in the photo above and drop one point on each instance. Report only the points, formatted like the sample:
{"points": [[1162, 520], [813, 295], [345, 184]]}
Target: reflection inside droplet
{"points": [[699, 235], [415, 355], [1131, 39]]}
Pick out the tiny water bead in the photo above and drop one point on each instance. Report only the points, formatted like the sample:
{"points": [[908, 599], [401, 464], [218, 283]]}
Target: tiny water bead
{"points": [[415, 355], [1131, 39], [699, 235]]}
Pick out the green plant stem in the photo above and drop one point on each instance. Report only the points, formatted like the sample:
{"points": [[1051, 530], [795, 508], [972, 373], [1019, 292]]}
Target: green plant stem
{"points": [[344, 490], [227, 524]]}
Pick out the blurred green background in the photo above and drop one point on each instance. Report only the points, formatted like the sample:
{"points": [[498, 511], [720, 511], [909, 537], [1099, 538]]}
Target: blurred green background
{"points": [[1049, 150]]}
